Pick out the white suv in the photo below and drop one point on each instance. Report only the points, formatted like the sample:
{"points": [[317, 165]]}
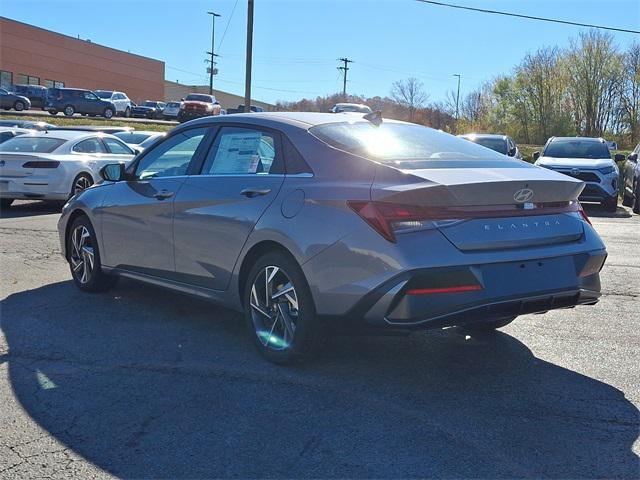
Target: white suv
{"points": [[587, 159], [119, 99]]}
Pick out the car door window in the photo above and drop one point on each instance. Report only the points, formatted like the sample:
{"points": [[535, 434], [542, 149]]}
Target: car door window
{"points": [[90, 145], [241, 151], [90, 96], [171, 157], [116, 147]]}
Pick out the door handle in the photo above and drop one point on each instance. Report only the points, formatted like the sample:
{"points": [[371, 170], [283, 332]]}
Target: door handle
{"points": [[163, 194], [254, 192]]}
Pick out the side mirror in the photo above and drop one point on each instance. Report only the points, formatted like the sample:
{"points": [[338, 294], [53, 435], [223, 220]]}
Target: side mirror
{"points": [[633, 157], [513, 151], [114, 172], [536, 156], [619, 157], [138, 150]]}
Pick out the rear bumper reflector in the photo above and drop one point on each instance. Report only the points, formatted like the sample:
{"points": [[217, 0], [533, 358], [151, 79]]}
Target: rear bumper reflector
{"points": [[456, 289]]}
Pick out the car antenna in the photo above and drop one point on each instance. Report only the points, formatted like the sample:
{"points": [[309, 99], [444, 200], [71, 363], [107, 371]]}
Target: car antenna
{"points": [[374, 117]]}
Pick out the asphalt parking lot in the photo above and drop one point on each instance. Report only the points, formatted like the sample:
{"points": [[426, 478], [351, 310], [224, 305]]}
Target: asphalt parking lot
{"points": [[139, 383]]}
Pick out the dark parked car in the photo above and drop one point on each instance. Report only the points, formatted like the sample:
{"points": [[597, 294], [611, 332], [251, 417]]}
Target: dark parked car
{"points": [[36, 94], [305, 221], [631, 181], [500, 143], [240, 109], [148, 109], [76, 100], [197, 105], [10, 100], [30, 124]]}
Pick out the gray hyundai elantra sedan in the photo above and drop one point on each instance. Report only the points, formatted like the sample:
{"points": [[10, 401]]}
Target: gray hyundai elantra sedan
{"points": [[309, 222]]}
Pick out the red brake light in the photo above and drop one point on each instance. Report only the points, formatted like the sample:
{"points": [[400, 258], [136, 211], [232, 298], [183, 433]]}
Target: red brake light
{"points": [[584, 215], [455, 289], [41, 164]]}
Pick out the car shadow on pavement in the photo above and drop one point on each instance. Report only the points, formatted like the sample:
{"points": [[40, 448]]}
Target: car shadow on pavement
{"points": [[148, 384], [31, 209], [595, 210]]}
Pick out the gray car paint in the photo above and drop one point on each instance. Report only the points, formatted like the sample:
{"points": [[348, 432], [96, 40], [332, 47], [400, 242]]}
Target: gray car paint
{"points": [[340, 255]]}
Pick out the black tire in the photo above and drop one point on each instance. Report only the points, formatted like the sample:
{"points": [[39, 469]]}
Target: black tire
{"points": [[95, 280], [611, 204], [627, 200], [69, 110], [18, 106], [53, 112], [5, 203], [309, 334], [127, 112], [636, 199], [108, 113], [80, 183], [481, 327]]}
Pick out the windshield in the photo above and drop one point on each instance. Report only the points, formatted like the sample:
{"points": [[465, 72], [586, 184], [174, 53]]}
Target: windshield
{"points": [[149, 104], [132, 137], [401, 144], [497, 144], [199, 98], [173, 104], [576, 149], [103, 94], [31, 144]]}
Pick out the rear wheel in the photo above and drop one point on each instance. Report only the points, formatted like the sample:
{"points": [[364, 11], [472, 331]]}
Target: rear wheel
{"points": [[279, 311], [19, 106], [636, 199], [127, 112], [69, 110], [53, 112], [5, 203], [80, 183], [627, 200], [84, 258], [480, 327]]}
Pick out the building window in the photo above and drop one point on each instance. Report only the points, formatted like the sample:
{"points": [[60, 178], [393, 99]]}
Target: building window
{"points": [[34, 80], [48, 83], [58, 84], [6, 79], [22, 79]]}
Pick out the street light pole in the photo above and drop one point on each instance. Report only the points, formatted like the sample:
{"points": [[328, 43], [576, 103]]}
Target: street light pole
{"points": [[457, 100], [213, 55], [247, 83]]}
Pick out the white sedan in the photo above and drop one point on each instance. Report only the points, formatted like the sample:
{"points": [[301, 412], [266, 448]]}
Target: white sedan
{"points": [[56, 164]]}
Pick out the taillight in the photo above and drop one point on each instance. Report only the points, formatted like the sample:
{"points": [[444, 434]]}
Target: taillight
{"points": [[583, 214], [41, 164]]}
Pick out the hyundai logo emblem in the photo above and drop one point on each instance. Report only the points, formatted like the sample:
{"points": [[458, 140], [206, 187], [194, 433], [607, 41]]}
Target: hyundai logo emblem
{"points": [[523, 195]]}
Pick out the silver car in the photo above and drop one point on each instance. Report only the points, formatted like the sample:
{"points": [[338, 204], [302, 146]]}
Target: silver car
{"points": [[119, 99], [310, 222]]}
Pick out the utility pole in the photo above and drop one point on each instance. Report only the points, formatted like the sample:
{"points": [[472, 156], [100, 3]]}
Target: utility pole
{"points": [[457, 100], [213, 55], [247, 82], [344, 69]]}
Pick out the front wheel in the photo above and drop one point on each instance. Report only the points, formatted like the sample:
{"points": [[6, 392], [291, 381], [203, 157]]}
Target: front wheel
{"points": [[84, 258], [610, 205], [636, 199], [5, 203], [127, 112], [19, 106], [279, 311], [53, 112]]}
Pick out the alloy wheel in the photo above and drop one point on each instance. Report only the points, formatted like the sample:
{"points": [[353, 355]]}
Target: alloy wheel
{"points": [[82, 254], [274, 308], [82, 183]]}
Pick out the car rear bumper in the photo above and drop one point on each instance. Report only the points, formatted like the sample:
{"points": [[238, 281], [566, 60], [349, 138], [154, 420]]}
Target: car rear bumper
{"points": [[30, 188]]}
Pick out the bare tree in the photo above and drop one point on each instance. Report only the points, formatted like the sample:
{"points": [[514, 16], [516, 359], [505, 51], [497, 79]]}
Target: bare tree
{"points": [[409, 93], [630, 98]]}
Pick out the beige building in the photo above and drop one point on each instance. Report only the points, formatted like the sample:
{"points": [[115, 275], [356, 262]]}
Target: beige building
{"points": [[175, 91]]}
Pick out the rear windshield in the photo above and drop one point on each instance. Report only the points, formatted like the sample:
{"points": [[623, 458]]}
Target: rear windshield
{"points": [[497, 144], [401, 144], [576, 149], [199, 98], [30, 144], [135, 138]]}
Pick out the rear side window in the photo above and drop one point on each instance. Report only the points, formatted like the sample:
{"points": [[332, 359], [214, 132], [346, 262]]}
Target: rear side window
{"points": [[28, 144], [116, 147], [404, 145], [90, 145], [240, 151], [171, 157]]}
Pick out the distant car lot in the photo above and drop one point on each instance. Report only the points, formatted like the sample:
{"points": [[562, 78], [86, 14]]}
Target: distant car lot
{"points": [[124, 384]]}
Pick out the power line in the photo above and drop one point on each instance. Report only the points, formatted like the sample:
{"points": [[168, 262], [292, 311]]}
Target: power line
{"points": [[528, 17], [227, 27]]}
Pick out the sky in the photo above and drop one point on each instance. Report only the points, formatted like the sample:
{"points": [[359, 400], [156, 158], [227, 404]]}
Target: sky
{"points": [[297, 42]]}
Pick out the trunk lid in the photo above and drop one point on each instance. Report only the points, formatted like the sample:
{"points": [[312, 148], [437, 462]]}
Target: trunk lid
{"points": [[497, 208], [11, 165]]}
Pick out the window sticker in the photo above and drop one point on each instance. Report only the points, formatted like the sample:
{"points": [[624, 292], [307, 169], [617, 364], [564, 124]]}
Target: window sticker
{"points": [[237, 153]]}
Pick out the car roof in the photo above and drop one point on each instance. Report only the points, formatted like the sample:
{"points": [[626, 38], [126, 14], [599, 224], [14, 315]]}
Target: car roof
{"points": [[483, 135], [305, 119], [4, 128], [144, 132], [70, 134]]}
